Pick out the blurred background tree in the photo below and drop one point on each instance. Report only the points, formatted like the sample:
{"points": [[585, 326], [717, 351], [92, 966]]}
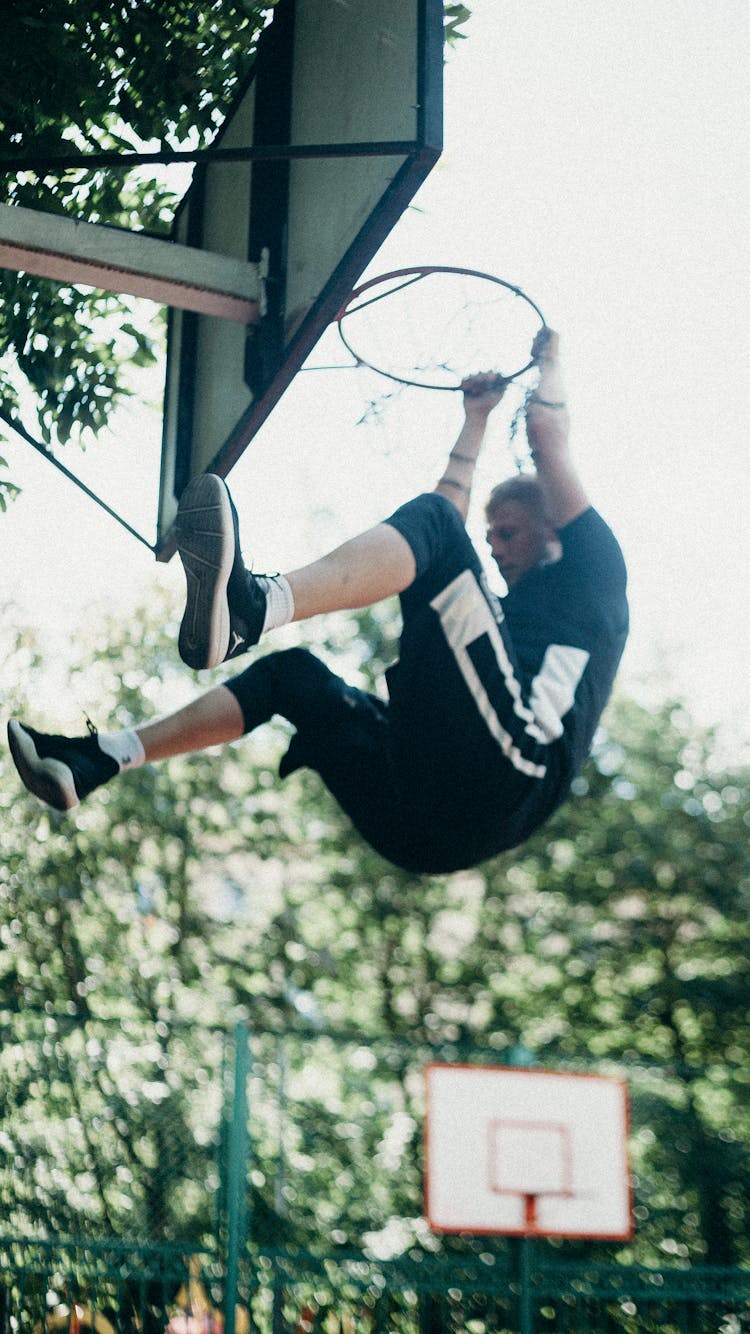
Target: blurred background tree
{"points": [[201, 890]]}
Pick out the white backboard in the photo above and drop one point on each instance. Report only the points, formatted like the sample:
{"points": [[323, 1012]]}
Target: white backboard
{"points": [[526, 1152]]}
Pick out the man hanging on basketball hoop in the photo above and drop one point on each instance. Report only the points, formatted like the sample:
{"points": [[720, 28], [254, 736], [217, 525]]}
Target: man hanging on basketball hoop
{"points": [[493, 704]]}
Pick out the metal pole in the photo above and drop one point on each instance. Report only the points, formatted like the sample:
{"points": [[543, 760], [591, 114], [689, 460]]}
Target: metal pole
{"points": [[526, 1313], [237, 1174]]}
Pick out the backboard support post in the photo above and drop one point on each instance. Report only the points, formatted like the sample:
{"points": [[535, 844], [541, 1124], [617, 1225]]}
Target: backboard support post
{"points": [[116, 260]]}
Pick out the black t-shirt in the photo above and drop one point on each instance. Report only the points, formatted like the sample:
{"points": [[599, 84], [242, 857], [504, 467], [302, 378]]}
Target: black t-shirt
{"points": [[493, 711], [568, 622], [493, 703]]}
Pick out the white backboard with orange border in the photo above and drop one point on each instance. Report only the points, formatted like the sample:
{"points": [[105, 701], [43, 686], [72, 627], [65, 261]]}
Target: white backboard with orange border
{"points": [[526, 1153]]}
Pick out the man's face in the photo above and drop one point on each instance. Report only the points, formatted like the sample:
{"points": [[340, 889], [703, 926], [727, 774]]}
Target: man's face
{"points": [[517, 539]]}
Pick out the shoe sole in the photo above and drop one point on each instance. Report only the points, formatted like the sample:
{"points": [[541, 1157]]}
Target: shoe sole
{"points": [[205, 545], [48, 779]]}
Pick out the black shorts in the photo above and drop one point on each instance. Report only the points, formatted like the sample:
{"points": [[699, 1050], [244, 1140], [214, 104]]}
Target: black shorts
{"points": [[342, 733]]}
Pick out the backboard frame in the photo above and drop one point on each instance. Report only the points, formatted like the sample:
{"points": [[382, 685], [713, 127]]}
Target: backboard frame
{"points": [[275, 352]]}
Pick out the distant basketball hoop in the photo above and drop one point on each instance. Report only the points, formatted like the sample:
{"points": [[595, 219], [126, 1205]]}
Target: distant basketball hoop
{"points": [[526, 1153]]}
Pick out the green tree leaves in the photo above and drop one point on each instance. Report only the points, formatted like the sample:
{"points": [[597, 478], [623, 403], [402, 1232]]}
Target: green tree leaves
{"points": [[79, 78], [200, 890]]}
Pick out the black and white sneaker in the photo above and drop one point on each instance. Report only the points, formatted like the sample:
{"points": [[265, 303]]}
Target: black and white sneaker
{"points": [[60, 770], [226, 605]]}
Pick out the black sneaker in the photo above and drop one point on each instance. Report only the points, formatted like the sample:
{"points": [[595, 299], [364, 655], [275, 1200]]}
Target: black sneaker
{"points": [[60, 770], [226, 605]]}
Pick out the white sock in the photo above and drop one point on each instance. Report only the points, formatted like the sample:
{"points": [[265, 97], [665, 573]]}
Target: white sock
{"points": [[279, 600], [124, 747]]}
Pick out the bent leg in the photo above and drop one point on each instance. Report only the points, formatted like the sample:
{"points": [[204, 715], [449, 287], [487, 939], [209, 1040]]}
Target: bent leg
{"points": [[296, 685], [62, 770], [343, 734], [213, 719]]}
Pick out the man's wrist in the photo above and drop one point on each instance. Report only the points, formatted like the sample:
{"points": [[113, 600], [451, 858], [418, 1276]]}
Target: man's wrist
{"points": [[547, 403], [476, 412]]}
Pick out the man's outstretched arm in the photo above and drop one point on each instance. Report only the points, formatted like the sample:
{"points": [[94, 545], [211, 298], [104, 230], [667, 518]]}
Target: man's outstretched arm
{"points": [[482, 393], [548, 430]]}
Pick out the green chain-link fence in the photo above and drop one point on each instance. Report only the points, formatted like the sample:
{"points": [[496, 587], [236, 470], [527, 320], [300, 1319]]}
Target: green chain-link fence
{"points": [[110, 1129], [158, 1176]]}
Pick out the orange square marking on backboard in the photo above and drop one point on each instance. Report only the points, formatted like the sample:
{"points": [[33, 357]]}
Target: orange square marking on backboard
{"points": [[529, 1157]]}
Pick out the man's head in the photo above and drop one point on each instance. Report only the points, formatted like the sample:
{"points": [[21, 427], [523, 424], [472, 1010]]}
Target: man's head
{"points": [[519, 532]]}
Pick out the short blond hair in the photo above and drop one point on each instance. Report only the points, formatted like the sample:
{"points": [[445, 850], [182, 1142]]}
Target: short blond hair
{"points": [[526, 489]]}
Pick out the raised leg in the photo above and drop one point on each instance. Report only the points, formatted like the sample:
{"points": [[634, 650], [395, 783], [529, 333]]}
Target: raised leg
{"points": [[375, 565], [228, 607]]}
